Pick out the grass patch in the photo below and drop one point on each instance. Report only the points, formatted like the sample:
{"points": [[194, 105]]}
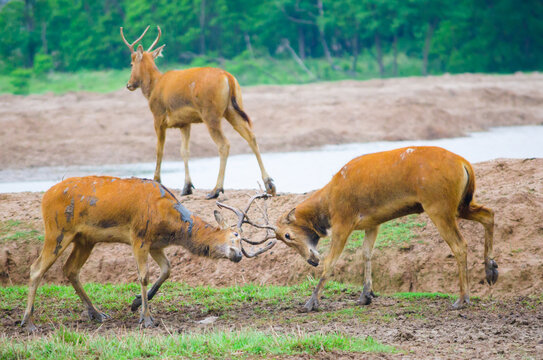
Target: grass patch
{"points": [[398, 232], [259, 71], [418, 295], [16, 230], [68, 344], [173, 296]]}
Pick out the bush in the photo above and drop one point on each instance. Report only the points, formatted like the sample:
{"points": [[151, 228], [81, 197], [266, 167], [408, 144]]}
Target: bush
{"points": [[20, 79], [43, 64]]}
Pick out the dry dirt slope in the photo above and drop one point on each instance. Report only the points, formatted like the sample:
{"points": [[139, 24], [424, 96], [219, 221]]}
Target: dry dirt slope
{"points": [[117, 128], [513, 188]]}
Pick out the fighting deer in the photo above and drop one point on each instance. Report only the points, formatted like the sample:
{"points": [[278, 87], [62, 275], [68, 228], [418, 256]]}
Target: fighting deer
{"points": [[138, 212], [375, 188], [179, 98]]}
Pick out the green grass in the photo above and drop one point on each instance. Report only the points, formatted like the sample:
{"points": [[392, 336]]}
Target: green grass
{"points": [[394, 233], [259, 71], [68, 344], [16, 230]]}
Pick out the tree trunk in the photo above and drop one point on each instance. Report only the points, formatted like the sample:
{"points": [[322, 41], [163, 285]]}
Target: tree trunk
{"points": [[395, 54], [427, 42], [322, 38], [355, 52], [29, 23], [249, 46], [202, 27], [379, 55], [285, 44], [301, 42], [44, 36]]}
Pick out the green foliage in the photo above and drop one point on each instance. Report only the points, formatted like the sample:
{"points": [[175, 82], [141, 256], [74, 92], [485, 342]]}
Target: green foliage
{"points": [[20, 79], [350, 35], [42, 64]]}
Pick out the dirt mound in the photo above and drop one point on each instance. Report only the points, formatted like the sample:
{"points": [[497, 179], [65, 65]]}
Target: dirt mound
{"points": [[513, 188], [116, 128]]}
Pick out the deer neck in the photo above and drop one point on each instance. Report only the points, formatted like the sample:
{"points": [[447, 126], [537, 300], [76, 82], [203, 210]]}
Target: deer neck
{"points": [[314, 213], [149, 81]]}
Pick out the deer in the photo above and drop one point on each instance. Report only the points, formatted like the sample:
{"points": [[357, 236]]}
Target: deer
{"points": [[180, 98], [375, 188], [141, 213]]}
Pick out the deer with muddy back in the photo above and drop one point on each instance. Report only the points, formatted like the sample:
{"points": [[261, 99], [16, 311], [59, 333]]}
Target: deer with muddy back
{"points": [[179, 98], [375, 188], [140, 213]]}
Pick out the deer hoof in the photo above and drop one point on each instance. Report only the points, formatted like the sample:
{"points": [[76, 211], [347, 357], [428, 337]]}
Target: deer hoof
{"points": [[29, 326], [136, 303], [214, 194], [461, 303], [98, 316], [365, 298], [148, 321], [270, 186], [311, 305], [491, 270], [187, 189]]}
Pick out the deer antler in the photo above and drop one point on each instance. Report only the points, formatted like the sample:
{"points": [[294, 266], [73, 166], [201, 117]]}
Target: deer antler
{"points": [[156, 40], [244, 219], [131, 46]]}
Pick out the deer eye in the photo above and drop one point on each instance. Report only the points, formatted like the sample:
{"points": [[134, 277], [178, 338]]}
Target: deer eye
{"points": [[236, 234], [287, 236]]}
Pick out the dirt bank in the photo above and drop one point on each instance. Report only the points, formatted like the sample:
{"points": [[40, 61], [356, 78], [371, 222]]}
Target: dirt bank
{"points": [[513, 188], [85, 128]]}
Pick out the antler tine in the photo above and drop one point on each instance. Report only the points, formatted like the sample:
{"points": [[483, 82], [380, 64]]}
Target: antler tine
{"points": [[238, 213], [131, 46], [156, 40], [265, 216], [259, 251]]}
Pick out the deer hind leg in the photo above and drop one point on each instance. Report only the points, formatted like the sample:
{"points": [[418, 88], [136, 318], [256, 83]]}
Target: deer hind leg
{"points": [[339, 238], [448, 229], [367, 248], [162, 261], [484, 216], [242, 127], [161, 138], [54, 245], [214, 127], [75, 262], [185, 154], [141, 254]]}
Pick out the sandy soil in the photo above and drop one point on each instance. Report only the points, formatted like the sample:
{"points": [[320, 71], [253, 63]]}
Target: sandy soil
{"points": [[84, 128], [117, 128]]}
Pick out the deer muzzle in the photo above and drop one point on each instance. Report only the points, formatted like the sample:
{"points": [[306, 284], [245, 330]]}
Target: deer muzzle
{"points": [[234, 255]]}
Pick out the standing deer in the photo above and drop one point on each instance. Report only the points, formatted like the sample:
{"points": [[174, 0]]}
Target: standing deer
{"points": [[375, 188], [180, 98], [141, 213]]}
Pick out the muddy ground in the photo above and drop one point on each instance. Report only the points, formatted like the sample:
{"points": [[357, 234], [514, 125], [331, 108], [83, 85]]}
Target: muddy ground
{"points": [[117, 128]]}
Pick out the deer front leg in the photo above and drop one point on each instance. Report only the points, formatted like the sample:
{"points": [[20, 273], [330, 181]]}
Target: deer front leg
{"points": [[339, 237], [161, 138], [367, 248], [141, 255], [162, 261]]}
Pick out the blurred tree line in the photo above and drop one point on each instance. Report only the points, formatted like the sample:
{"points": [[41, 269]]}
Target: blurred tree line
{"points": [[447, 36]]}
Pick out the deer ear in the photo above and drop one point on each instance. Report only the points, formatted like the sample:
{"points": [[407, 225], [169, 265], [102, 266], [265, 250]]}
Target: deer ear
{"points": [[220, 220], [139, 53], [291, 217], [158, 52]]}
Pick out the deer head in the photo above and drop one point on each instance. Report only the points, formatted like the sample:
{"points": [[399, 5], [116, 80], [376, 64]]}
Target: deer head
{"points": [[229, 247], [297, 235], [142, 62]]}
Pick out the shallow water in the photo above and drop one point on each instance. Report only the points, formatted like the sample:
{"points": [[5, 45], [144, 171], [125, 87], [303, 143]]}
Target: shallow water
{"points": [[293, 172]]}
